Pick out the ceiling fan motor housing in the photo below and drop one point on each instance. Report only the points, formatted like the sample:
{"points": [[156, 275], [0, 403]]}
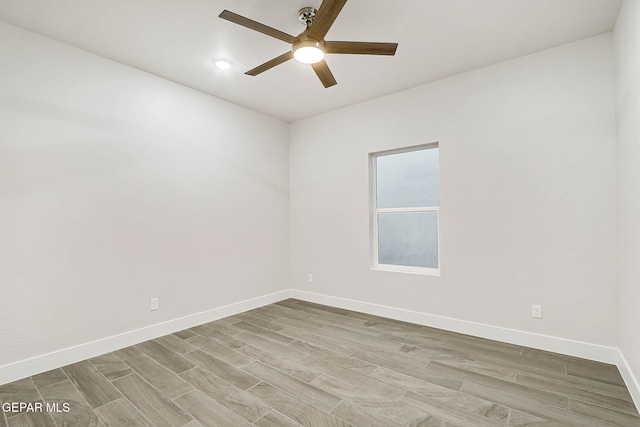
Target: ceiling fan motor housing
{"points": [[304, 40]]}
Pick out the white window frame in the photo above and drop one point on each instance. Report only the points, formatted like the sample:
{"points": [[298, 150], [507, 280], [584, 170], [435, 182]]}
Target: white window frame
{"points": [[374, 211]]}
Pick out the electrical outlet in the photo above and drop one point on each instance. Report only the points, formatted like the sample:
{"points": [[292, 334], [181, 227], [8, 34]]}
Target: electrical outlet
{"points": [[310, 278], [536, 311], [154, 304]]}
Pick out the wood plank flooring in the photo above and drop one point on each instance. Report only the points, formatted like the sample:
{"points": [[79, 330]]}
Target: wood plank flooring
{"points": [[296, 363]]}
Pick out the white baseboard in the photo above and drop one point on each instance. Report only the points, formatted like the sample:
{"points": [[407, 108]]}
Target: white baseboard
{"points": [[629, 379], [528, 339], [56, 359]]}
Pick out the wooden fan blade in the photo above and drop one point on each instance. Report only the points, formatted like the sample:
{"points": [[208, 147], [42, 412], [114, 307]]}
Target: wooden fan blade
{"points": [[324, 73], [256, 26], [326, 15], [361, 48], [270, 64]]}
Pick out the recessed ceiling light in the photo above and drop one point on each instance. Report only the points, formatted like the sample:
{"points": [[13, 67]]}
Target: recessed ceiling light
{"points": [[222, 64]]}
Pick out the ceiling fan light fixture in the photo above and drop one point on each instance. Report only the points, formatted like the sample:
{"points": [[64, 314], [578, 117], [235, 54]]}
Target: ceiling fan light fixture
{"points": [[308, 52]]}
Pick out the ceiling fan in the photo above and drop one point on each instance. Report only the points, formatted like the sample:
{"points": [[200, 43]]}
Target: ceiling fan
{"points": [[309, 47]]}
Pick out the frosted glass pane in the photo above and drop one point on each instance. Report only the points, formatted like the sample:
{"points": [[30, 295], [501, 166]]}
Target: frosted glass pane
{"points": [[408, 238], [408, 180]]}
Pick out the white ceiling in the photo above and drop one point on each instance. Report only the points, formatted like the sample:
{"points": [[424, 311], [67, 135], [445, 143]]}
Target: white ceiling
{"points": [[178, 39]]}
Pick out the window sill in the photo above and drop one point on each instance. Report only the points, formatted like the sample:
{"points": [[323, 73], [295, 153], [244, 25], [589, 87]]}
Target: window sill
{"points": [[410, 270]]}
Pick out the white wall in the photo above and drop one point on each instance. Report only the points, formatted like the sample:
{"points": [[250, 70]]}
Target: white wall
{"points": [[528, 195], [117, 186], [627, 50]]}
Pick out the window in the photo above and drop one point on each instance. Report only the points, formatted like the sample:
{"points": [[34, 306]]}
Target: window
{"points": [[405, 200]]}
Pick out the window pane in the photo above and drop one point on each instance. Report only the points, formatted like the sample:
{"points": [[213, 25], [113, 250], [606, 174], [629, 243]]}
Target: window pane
{"points": [[407, 180], [408, 238]]}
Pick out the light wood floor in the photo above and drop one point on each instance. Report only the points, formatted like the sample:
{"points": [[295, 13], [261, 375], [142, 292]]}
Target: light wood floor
{"points": [[296, 363]]}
